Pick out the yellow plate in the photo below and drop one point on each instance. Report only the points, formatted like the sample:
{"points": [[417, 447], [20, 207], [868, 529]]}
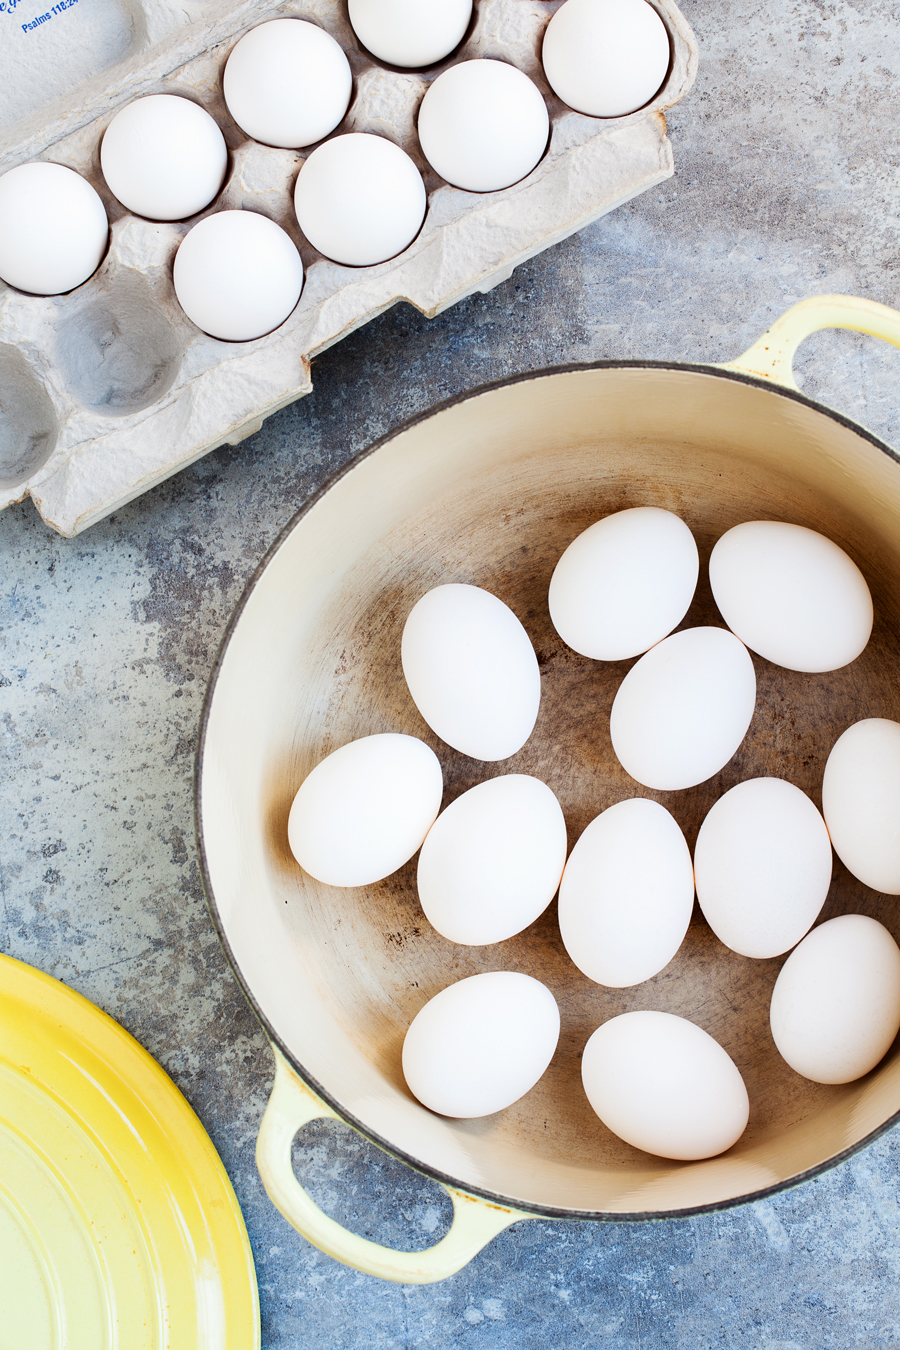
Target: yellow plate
{"points": [[119, 1228]]}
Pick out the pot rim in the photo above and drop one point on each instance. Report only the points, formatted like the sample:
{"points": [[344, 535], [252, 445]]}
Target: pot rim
{"points": [[534, 1209]]}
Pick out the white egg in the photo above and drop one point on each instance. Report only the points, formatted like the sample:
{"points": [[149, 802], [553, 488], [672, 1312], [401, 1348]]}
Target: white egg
{"points": [[683, 709], [287, 83], [627, 893], [624, 583], [605, 58], [163, 157], [365, 809], [836, 1003], [491, 862], [483, 125], [471, 671], [664, 1085], [237, 275], [481, 1044], [861, 802], [360, 199], [408, 33], [53, 229], [791, 595], [763, 866]]}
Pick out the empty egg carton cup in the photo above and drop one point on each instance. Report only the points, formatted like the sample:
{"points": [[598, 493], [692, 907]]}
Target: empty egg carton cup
{"points": [[109, 389]]}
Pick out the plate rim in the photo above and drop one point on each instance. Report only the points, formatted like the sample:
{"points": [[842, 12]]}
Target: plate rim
{"points": [[39, 998]]}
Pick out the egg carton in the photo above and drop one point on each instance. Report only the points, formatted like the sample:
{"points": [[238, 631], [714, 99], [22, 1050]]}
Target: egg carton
{"points": [[109, 389]]}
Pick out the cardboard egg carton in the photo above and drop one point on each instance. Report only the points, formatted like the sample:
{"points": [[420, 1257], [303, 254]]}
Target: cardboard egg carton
{"points": [[110, 389]]}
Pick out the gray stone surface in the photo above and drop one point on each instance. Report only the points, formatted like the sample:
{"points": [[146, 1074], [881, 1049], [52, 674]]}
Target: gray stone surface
{"points": [[787, 185]]}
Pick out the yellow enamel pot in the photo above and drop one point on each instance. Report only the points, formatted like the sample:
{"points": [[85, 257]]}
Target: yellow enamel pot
{"points": [[489, 489]]}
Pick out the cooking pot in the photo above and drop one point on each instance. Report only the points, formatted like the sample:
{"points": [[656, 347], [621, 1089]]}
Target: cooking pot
{"points": [[489, 489]]}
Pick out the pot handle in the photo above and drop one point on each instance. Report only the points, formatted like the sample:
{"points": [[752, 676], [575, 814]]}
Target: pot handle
{"points": [[772, 356], [291, 1106]]}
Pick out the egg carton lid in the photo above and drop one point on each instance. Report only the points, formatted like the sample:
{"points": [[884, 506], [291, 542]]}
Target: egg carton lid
{"points": [[108, 390]]}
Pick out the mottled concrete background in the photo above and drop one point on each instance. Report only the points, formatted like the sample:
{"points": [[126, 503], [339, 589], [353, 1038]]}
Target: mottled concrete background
{"points": [[786, 185]]}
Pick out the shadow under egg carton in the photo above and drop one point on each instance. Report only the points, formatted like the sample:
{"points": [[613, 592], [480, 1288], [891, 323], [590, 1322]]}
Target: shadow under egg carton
{"points": [[109, 389]]}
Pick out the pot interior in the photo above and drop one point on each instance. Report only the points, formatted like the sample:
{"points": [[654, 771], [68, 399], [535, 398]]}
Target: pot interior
{"points": [[490, 491]]}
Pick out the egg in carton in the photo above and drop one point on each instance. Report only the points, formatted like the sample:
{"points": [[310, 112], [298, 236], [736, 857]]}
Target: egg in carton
{"points": [[109, 389]]}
